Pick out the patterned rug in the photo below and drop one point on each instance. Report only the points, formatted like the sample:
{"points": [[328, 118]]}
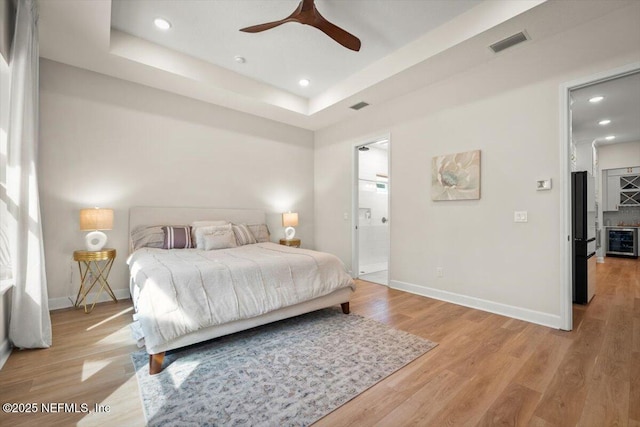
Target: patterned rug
{"points": [[288, 373]]}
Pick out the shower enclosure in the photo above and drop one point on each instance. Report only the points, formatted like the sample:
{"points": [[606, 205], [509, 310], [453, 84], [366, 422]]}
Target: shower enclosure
{"points": [[373, 212]]}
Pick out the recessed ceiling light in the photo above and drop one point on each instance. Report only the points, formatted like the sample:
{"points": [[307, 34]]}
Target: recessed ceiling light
{"points": [[162, 23], [610, 137], [304, 82], [604, 122], [596, 99], [239, 59]]}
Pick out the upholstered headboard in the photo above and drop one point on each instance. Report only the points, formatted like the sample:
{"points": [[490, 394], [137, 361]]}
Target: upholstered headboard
{"points": [[141, 215]]}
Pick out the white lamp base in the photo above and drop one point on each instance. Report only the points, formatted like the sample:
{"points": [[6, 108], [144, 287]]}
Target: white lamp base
{"points": [[95, 240], [289, 233]]}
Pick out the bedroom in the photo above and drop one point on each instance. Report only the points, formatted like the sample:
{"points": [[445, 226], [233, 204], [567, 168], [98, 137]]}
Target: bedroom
{"points": [[112, 142]]}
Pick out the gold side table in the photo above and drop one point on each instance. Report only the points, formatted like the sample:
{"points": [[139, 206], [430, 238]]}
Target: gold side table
{"points": [[294, 243], [94, 267]]}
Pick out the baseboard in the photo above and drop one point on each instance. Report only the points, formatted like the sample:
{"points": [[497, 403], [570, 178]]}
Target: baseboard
{"points": [[67, 302], [5, 352], [532, 316], [600, 260]]}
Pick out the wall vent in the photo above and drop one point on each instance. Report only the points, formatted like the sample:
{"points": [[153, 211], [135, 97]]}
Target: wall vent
{"points": [[509, 41], [359, 105]]}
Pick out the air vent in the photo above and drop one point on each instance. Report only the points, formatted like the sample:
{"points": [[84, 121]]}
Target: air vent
{"points": [[359, 106], [509, 41]]}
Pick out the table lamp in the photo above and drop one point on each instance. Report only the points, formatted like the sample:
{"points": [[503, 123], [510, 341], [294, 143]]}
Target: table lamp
{"points": [[96, 219], [289, 220]]}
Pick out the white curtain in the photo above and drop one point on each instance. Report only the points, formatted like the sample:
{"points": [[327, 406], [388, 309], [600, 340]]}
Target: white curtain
{"points": [[29, 324]]}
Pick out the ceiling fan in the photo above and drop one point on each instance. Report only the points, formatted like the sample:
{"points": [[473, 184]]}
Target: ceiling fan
{"points": [[306, 13]]}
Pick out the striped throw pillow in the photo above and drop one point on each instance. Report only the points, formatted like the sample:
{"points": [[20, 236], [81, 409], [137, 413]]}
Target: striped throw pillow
{"points": [[243, 235], [260, 232], [177, 237]]}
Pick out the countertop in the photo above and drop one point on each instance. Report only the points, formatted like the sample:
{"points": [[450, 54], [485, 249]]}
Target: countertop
{"points": [[622, 226]]}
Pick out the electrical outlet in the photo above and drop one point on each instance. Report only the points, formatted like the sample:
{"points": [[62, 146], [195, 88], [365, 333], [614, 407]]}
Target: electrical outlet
{"points": [[346, 216], [520, 216], [439, 272]]}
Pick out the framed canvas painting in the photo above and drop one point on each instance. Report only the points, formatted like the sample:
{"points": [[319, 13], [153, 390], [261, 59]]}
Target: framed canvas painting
{"points": [[456, 176]]}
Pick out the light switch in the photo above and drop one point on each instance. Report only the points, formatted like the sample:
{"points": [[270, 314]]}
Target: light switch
{"points": [[520, 216]]}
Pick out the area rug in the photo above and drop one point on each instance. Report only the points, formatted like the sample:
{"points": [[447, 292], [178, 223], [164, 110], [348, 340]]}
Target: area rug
{"points": [[289, 373]]}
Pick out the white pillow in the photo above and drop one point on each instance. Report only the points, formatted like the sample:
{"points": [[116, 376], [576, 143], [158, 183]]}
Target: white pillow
{"points": [[147, 236], [196, 224], [215, 237]]}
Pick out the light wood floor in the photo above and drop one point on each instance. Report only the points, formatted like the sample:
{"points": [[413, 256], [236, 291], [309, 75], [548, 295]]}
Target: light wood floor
{"points": [[488, 370]]}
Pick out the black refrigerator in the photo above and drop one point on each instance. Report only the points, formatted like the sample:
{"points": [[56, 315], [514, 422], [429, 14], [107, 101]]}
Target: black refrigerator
{"points": [[583, 225]]}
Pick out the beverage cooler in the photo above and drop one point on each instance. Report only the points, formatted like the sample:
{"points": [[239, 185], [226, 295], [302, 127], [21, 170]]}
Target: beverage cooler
{"points": [[622, 242]]}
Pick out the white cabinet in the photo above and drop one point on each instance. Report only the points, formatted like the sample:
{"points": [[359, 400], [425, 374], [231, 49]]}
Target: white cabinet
{"points": [[621, 188], [612, 196]]}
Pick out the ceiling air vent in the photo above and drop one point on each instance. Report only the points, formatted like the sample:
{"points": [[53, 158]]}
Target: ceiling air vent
{"points": [[509, 41], [359, 106]]}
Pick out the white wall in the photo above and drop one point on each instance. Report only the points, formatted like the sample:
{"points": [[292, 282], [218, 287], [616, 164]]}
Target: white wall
{"points": [[509, 109], [614, 156], [110, 143], [584, 157]]}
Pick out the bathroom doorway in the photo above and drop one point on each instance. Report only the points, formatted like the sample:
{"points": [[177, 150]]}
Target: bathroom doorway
{"points": [[372, 220]]}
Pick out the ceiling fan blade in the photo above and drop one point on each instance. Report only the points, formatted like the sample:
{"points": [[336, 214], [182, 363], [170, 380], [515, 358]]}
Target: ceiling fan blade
{"points": [[343, 37], [306, 13], [269, 25], [263, 27]]}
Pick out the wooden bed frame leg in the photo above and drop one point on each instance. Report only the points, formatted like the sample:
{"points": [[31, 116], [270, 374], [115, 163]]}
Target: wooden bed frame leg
{"points": [[155, 363], [345, 307]]}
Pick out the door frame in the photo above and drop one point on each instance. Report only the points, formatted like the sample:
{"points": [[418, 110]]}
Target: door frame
{"points": [[566, 288], [355, 258]]}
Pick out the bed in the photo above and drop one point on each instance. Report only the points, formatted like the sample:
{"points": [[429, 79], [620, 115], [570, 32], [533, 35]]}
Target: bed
{"points": [[186, 296]]}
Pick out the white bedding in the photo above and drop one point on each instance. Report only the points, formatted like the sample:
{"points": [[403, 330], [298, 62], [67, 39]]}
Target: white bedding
{"points": [[185, 290]]}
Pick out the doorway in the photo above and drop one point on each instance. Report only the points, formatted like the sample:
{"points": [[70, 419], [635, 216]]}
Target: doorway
{"points": [[594, 111], [371, 213]]}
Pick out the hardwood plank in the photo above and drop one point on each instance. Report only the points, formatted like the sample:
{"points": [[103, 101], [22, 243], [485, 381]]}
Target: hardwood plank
{"points": [[634, 388], [636, 335], [543, 363], [413, 411], [469, 405], [514, 407], [539, 422], [615, 356], [607, 403], [599, 307]]}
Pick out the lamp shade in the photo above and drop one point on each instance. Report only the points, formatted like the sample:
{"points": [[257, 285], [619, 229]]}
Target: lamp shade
{"points": [[96, 219], [290, 219]]}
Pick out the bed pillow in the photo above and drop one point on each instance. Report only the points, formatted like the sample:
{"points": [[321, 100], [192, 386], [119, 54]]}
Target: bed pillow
{"points": [[260, 232], [147, 236], [243, 235], [197, 224], [215, 237], [177, 237]]}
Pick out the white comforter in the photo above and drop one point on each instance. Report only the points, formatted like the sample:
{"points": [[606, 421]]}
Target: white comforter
{"points": [[185, 290]]}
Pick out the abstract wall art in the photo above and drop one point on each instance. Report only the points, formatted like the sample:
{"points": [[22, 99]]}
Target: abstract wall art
{"points": [[456, 176]]}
